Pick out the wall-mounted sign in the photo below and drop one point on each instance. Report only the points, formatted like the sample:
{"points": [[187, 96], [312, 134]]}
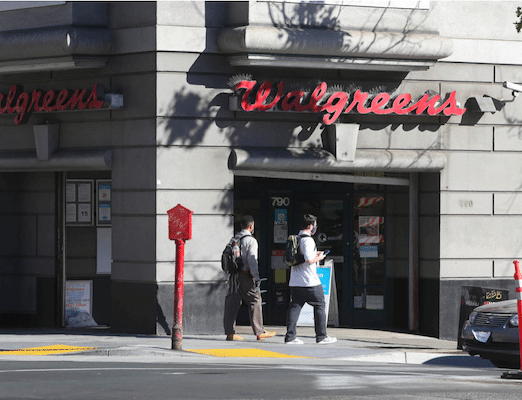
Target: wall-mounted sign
{"points": [[268, 96], [103, 201], [24, 103]]}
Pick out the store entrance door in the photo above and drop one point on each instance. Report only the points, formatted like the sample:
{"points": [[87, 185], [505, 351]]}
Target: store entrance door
{"points": [[346, 226], [331, 210]]}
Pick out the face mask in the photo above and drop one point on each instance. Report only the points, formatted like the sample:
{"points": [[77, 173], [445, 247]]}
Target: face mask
{"points": [[314, 229]]}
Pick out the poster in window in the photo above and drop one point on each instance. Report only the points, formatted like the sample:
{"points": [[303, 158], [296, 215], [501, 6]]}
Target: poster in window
{"points": [[79, 202], [280, 225], [369, 226], [278, 260], [84, 192], [84, 212], [70, 193], [70, 212], [369, 234]]}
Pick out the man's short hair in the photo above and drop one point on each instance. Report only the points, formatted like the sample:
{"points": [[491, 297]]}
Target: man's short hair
{"points": [[246, 221], [308, 219]]}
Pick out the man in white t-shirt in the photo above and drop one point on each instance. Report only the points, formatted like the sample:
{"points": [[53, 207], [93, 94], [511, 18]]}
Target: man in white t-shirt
{"points": [[305, 287]]}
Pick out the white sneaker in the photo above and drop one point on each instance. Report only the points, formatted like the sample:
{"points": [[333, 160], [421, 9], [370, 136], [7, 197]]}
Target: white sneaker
{"points": [[328, 340], [295, 341]]}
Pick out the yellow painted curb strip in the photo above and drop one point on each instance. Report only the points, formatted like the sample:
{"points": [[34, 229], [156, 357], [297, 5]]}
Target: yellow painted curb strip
{"points": [[44, 350], [251, 353]]}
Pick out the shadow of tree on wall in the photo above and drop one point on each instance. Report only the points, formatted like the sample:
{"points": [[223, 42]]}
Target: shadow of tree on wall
{"points": [[300, 15], [191, 114], [191, 132], [198, 113]]}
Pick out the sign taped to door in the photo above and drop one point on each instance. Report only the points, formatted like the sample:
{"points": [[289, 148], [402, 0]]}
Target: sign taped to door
{"points": [[280, 225]]}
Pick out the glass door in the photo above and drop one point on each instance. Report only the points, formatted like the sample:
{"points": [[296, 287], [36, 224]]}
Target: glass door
{"points": [[280, 222], [350, 225], [368, 271], [333, 226]]}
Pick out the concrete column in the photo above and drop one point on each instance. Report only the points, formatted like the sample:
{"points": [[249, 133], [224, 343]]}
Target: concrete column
{"points": [[413, 253]]}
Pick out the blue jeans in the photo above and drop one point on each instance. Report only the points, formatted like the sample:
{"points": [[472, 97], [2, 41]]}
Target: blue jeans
{"points": [[298, 297]]}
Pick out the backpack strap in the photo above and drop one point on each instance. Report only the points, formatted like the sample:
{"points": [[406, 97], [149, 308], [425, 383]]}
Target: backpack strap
{"points": [[240, 252], [245, 235], [300, 237]]}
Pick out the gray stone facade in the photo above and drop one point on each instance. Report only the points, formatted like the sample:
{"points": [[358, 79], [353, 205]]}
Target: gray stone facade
{"points": [[171, 142]]}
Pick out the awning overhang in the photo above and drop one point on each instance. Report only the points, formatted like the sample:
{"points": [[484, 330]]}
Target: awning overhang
{"points": [[53, 49], [61, 160], [334, 49], [322, 161]]}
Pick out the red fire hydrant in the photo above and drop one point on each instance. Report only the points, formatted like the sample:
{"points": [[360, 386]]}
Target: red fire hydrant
{"points": [[180, 230]]}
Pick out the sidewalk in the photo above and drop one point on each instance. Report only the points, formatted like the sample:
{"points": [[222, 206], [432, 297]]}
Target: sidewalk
{"points": [[353, 345]]}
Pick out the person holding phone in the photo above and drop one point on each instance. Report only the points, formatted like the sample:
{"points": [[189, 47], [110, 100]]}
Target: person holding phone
{"points": [[305, 287]]}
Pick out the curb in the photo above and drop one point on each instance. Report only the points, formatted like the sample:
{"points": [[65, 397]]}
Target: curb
{"points": [[391, 357], [133, 351]]}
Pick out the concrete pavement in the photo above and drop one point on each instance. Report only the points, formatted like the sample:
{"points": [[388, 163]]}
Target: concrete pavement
{"points": [[365, 345]]}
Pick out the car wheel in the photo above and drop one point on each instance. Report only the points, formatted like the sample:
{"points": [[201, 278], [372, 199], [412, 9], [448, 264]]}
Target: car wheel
{"points": [[506, 364]]}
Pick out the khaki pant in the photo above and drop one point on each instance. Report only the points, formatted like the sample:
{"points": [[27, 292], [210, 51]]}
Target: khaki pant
{"points": [[242, 288]]}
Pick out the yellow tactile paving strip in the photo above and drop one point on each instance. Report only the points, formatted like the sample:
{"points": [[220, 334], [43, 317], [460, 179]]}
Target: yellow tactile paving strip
{"points": [[44, 350], [250, 353]]}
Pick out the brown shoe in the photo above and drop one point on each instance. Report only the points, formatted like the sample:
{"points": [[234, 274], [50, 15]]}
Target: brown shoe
{"points": [[234, 337], [265, 335]]}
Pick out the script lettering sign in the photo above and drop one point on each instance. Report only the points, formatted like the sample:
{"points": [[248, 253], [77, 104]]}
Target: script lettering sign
{"points": [[16, 101], [269, 95]]}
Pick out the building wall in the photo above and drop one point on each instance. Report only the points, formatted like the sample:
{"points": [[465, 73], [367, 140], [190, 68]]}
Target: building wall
{"points": [[479, 225], [171, 141], [132, 68], [470, 213], [129, 132], [191, 152], [27, 208]]}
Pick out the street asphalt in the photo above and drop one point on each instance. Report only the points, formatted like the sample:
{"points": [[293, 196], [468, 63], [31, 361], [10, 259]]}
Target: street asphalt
{"points": [[366, 345]]}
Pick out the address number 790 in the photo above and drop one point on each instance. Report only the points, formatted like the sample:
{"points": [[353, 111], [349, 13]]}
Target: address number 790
{"points": [[280, 201]]}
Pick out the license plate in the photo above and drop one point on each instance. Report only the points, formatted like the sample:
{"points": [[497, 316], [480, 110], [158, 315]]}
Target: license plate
{"points": [[481, 337]]}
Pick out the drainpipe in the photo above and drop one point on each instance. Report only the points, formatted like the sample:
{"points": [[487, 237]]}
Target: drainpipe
{"points": [[413, 254]]}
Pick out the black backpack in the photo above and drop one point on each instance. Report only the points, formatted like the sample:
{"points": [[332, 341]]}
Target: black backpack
{"points": [[292, 254], [231, 261]]}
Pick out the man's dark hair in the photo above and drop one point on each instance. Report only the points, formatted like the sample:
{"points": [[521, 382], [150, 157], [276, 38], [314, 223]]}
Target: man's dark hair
{"points": [[246, 221], [308, 219]]}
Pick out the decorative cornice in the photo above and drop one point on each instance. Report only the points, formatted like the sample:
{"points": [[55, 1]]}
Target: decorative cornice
{"points": [[54, 48], [334, 46]]}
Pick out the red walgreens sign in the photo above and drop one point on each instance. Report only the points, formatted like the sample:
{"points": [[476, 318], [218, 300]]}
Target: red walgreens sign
{"points": [[24, 103], [342, 102]]}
